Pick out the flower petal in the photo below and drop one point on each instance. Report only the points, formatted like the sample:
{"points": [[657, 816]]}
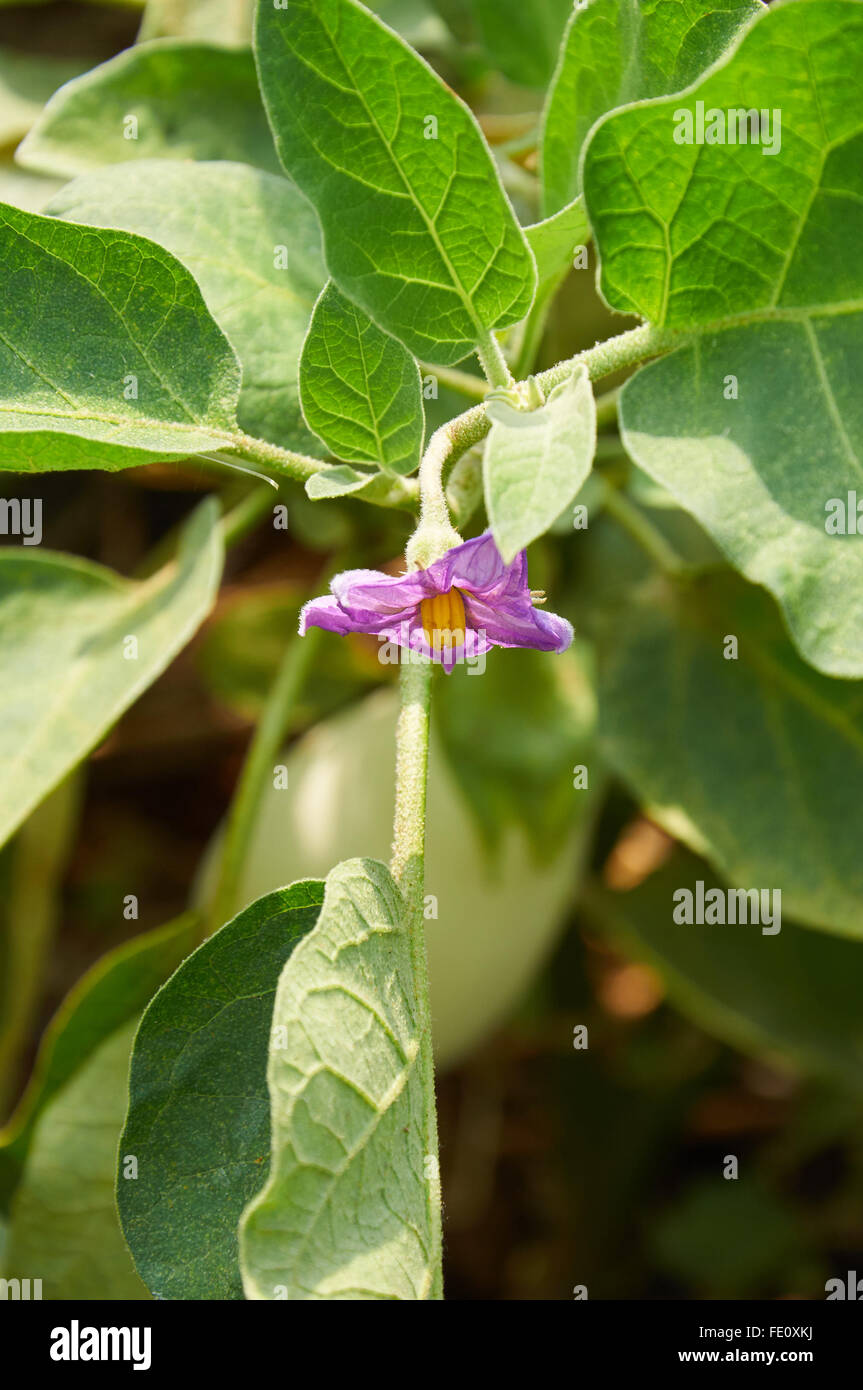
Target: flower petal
{"points": [[519, 625], [477, 568], [369, 592]]}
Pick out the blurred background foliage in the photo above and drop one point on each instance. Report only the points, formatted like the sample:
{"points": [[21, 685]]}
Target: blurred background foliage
{"points": [[561, 1166]]}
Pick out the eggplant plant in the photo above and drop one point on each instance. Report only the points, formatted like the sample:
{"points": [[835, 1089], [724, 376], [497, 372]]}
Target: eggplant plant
{"points": [[310, 261]]}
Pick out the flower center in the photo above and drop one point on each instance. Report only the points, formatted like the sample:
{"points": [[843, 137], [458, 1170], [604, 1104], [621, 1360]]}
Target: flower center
{"points": [[443, 621]]}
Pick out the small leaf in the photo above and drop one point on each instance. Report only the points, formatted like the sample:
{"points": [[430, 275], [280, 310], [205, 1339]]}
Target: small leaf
{"points": [[176, 94], [536, 461], [198, 1122], [360, 389], [620, 51], [108, 355], [417, 229], [253, 245], [794, 992], [64, 1228], [70, 668], [347, 1111], [112, 991], [339, 481]]}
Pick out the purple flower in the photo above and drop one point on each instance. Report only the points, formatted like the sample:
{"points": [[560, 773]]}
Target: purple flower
{"points": [[464, 603]]}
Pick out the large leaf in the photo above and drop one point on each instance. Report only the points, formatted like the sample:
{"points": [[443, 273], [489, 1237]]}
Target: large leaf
{"points": [[417, 229], [694, 233], [346, 1212], [536, 461], [64, 625], [64, 1228], [754, 429], [523, 40], [361, 389], [759, 471], [190, 100], [108, 355], [112, 991], [199, 1122], [618, 51], [795, 992], [754, 761], [252, 243]]}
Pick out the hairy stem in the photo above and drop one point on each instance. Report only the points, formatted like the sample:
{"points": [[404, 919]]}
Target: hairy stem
{"points": [[408, 870], [493, 362]]}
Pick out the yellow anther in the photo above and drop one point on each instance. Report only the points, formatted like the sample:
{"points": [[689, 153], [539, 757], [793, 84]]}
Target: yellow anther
{"points": [[443, 621]]}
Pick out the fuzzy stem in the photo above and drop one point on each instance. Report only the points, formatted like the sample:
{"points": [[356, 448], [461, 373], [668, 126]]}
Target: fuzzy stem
{"points": [[493, 362], [408, 870]]}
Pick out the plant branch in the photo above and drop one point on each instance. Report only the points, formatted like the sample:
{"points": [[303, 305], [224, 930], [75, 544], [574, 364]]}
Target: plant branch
{"points": [[408, 869]]}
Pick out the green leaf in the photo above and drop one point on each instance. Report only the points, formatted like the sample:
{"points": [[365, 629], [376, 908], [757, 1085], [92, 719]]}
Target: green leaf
{"points": [[64, 1228], [252, 243], [64, 625], [618, 51], [347, 1111], [199, 1123], [759, 471], [523, 40], [360, 389], [536, 461], [755, 762], [796, 993], [417, 229], [694, 233], [725, 232], [26, 82], [339, 481], [108, 356], [178, 93], [112, 991]]}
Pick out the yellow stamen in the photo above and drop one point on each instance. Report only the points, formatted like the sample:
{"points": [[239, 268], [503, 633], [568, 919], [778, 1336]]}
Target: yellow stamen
{"points": [[443, 621]]}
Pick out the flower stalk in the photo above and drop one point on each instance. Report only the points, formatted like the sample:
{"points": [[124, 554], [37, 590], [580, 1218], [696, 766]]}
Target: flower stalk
{"points": [[408, 870]]}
